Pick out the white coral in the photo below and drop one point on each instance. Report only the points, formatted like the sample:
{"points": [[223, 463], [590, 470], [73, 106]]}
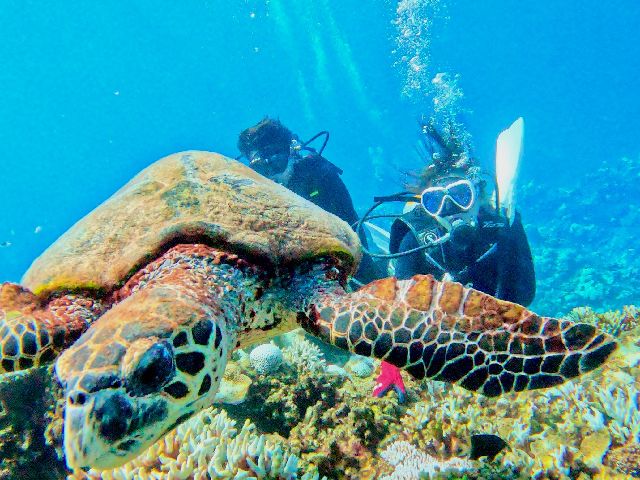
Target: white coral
{"points": [[620, 405], [410, 463], [421, 413], [519, 433], [266, 358], [304, 355], [208, 446]]}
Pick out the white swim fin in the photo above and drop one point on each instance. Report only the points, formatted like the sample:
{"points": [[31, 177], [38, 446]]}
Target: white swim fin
{"points": [[508, 155]]}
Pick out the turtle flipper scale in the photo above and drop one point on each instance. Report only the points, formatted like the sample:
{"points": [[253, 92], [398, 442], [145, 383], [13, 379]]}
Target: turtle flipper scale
{"points": [[445, 331], [34, 332]]}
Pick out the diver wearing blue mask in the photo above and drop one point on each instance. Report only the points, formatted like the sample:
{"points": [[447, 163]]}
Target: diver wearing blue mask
{"points": [[453, 227], [463, 236]]}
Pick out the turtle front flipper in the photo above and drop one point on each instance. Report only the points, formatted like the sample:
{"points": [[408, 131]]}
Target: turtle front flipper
{"points": [[33, 332], [447, 332]]}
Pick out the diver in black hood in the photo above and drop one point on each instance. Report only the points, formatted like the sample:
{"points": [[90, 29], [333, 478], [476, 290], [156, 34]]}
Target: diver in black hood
{"points": [[277, 153]]}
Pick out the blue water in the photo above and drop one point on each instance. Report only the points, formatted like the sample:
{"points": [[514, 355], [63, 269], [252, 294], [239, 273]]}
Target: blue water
{"points": [[91, 92]]}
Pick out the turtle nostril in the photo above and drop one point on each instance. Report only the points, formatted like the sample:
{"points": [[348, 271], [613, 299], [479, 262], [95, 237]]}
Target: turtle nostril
{"points": [[77, 398]]}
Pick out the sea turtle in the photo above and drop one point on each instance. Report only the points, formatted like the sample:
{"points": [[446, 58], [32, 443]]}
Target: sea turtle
{"points": [[143, 300]]}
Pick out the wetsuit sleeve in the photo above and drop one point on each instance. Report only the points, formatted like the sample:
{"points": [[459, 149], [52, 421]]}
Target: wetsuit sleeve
{"points": [[516, 275]]}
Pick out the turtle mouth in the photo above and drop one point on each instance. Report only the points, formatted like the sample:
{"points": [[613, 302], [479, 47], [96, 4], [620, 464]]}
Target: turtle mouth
{"points": [[104, 429], [96, 429]]}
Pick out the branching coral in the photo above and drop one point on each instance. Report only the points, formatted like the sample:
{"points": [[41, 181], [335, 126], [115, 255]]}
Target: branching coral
{"points": [[612, 322], [304, 355], [209, 446], [620, 405], [410, 463]]}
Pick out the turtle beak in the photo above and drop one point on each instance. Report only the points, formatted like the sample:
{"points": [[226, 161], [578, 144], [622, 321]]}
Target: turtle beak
{"points": [[94, 428]]}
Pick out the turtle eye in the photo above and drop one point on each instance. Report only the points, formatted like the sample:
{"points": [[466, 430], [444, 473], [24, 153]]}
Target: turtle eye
{"points": [[154, 369]]}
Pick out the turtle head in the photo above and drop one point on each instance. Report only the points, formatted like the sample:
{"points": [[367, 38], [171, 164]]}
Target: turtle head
{"points": [[127, 386]]}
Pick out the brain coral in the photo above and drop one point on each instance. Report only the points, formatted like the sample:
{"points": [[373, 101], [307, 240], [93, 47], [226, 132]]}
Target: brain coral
{"points": [[266, 358]]}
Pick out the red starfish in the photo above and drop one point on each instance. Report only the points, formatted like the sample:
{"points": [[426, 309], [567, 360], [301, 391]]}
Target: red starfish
{"points": [[389, 378]]}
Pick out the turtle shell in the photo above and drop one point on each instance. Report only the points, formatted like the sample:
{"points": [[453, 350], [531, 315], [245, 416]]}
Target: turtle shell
{"points": [[187, 197]]}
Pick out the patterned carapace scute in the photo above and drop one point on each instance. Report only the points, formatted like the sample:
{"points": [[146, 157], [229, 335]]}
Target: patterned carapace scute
{"points": [[445, 331]]}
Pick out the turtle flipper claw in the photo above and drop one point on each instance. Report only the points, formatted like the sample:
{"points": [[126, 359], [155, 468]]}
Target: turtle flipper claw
{"points": [[445, 331]]}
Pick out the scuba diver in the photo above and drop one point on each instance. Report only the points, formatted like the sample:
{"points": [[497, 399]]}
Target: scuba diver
{"points": [[277, 153], [453, 227]]}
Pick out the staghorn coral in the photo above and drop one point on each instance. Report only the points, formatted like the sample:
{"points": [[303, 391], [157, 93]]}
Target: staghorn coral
{"points": [[583, 429], [304, 355], [620, 406], [209, 445], [560, 432]]}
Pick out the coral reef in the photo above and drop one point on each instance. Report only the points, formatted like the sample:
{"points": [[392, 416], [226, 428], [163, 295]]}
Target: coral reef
{"points": [[25, 399], [319, 420], [583, 239], [360, 366], [304, 355], [278, 402], [613, 322], [266, 358], [410, 463], [209, 445], [577, 428]]}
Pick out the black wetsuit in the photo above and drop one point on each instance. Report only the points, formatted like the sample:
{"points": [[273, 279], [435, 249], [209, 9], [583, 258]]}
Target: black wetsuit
{"points": [[318, 180], [493, 257]]}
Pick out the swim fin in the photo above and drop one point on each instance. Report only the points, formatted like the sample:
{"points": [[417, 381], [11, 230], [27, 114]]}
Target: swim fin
{"points": [[508, 155]]}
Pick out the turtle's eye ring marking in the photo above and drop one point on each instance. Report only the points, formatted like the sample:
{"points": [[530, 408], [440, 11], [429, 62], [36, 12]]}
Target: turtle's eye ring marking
{"points": [[155, 368]]}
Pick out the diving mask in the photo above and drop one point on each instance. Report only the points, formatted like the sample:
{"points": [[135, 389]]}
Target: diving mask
{"points": [[461, 193]]}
